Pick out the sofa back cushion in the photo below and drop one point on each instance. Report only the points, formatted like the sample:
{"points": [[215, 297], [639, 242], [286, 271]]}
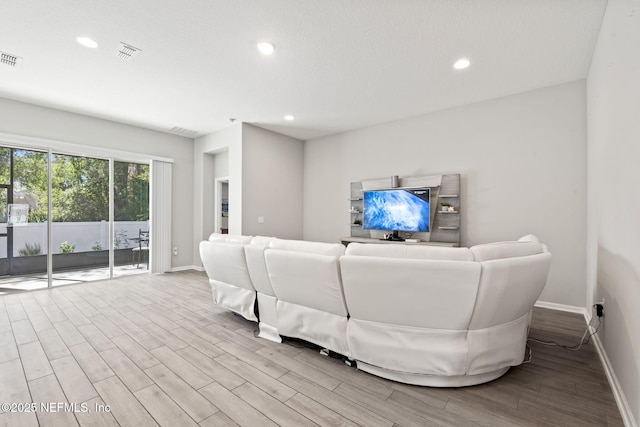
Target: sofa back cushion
{"points": [[433, 294], [261, 240], [230, 238], [306, 279], [408, 251], [319, 248]]}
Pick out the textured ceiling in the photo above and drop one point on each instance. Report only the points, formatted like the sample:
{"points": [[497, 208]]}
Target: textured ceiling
{"points": [[339, 64]]}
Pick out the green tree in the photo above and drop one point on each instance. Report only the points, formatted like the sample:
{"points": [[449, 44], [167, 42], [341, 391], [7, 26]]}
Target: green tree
{"points": [[80, 189], [80, 186], [30, 176], [131, 191], [5, 155]]}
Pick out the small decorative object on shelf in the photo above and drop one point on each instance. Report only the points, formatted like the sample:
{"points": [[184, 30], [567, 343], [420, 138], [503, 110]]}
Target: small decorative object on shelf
{"points": [[357, 222], [354, 210], [446, 207]]}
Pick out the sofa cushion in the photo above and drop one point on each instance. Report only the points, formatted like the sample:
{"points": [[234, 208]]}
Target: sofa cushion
{"points": [[261, 240], [498, 250], [319, 248], [413, 293], [424, 252], [306, 279]]}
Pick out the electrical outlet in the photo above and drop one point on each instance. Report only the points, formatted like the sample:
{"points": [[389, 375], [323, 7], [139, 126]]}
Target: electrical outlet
{"points": [[175, 251], [599, 306]]}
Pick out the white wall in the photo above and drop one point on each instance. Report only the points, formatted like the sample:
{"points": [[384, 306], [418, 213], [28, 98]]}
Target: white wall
{"points": [[265, 179], [30, 120], [272, 183], [227, 144], [221, 164], [613, 103], [523, 164]]}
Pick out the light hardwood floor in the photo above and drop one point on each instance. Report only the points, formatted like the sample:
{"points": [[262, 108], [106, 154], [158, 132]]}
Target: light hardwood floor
{"points": [[158, 352]]}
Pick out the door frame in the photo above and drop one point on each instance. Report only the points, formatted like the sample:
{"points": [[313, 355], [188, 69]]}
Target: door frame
{"points": [[217, 209], [9, 233]]}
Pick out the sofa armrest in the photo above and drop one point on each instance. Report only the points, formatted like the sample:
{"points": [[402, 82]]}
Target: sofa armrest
{"points": [[225, 262], [509, 287]]}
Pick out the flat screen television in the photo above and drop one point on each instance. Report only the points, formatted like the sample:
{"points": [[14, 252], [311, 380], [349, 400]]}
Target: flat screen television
{"points": [[398, 209]]}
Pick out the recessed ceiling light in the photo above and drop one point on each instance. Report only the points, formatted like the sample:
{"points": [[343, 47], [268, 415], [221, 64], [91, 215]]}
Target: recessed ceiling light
{"points": [[266, 48], [461, 64], [289, 117], [87, 42]]}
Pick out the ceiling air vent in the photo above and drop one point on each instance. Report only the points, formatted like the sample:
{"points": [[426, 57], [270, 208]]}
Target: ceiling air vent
{"points": [[127, 52], [10, 60], [183, 131]]}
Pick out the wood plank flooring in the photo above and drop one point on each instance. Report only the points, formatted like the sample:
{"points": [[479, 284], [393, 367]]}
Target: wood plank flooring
{"points": [[154, 350]]}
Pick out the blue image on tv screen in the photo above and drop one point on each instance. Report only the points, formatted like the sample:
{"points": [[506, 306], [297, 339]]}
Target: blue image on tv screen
{"points": [[399, 209]]}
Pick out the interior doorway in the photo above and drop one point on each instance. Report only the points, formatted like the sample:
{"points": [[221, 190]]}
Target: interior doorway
{"points": [[221, 210]]}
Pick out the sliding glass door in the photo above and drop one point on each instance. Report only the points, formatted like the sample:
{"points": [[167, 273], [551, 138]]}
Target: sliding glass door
{"points": [[131, 234], [79, 218], [68, 218], [23, 219]]}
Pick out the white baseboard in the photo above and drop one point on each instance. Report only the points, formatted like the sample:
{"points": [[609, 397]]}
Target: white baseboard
{"points": [[616, 388], [621, 400], [563, 307], [186, 267]]}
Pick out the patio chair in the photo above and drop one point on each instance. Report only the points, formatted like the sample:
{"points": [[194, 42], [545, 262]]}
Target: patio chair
{"points": [[143, 247]]}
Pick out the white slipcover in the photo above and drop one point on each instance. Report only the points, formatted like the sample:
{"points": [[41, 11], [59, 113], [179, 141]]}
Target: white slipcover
{"points": [[409, 315], [268, 319], [441, 316], [225, 264], [508, 289], [436, 316], [230, 238], [397, 250], [306, 280]]}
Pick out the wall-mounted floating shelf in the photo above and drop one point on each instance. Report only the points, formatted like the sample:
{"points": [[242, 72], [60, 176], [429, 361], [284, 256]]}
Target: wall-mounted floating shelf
{"points": [[355, 212]]}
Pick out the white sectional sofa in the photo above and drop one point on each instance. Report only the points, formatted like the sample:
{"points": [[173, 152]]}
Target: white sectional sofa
{"points": [[422, 315]]}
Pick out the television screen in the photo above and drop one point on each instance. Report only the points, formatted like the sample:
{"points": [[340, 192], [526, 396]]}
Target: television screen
{"points": [[406, 209]]}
